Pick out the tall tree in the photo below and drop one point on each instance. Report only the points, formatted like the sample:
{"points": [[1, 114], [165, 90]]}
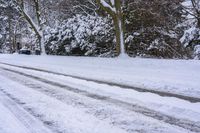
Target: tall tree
{"points": [[36, 26], [114, 9]]}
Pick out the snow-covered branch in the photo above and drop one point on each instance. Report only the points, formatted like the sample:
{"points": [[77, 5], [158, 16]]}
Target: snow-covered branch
{"points": [[108, 7]]}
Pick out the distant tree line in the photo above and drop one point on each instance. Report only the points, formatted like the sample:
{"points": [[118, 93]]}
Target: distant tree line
{"points": [[106, 28]]}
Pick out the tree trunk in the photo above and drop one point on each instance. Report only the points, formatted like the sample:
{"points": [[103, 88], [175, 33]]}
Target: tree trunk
{"points": [[10, 36], [39, 29], [119, 26], [119, 33], [114, 10], [14, 43], [198, 22], [122, 44], [38, 16], [42, 47]]}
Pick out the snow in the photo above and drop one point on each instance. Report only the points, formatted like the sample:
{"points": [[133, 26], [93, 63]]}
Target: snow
{"points": [[188, 33], [122, 48], [167, 105], [176, 76], [79, 32], [16, 119], [112, 2], [6, 119], [57, 106], [192, 32], [105, 4], [67, 117]]}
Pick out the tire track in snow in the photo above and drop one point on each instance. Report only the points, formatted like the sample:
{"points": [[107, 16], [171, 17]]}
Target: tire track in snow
{"points": [[127, 120], [186, 124], [32, 124], [161, 93]]}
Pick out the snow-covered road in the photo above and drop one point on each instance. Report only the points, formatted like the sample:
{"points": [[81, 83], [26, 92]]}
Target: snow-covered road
{"points": [[65, 104], [106, 96], [54, 114], [176, 76], [14, 119]]}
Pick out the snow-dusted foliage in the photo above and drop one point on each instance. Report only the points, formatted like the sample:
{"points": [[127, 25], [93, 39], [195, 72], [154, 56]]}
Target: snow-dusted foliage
{"points": [[155, 45], [8, 30], [3, 27], [151, 28], [191, 36], [2, 34], [81, 35], [191, 39]]}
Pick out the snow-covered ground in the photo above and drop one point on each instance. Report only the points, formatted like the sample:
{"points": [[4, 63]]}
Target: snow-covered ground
{"points": [[177, 76], [64, 111], [68, 119], [57, 103], [9, 124], [14, 119]]}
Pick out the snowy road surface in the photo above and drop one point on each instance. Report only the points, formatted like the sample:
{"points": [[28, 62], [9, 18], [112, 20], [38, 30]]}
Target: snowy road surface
{"points": [[14, 119], [41, 102], [177, 76]]}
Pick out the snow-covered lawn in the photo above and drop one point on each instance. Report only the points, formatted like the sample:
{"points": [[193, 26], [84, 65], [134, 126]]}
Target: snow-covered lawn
{"points": [[176, 76]]}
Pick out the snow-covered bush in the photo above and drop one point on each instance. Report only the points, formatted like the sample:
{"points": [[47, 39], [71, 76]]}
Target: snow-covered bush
{"points": [[191, 36], [81, 35], [154, 43], [191, 40], [151, 28]]}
